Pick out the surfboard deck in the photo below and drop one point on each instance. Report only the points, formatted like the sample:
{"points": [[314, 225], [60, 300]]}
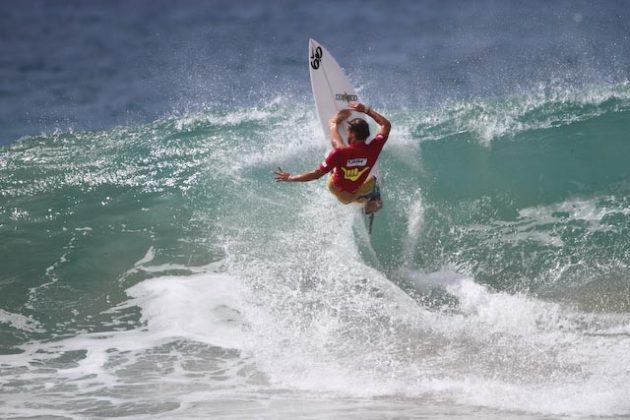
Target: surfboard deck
{"points": [[332, 91]]}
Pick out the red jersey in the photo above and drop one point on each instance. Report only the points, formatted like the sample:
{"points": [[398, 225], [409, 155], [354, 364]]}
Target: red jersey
{"points": [[351, 165]]}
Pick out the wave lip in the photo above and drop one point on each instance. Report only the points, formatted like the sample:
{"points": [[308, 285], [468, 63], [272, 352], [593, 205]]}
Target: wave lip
{"points": [[488, 120]]}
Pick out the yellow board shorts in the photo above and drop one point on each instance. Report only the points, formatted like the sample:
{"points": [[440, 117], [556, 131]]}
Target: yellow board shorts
{"points": [[356, 197]]}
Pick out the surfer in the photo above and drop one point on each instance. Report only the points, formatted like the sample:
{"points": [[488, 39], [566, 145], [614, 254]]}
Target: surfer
{"points": [[350, 180]]}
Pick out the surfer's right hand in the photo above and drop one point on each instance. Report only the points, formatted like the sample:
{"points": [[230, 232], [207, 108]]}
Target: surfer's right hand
{"points": [[358, 106]]}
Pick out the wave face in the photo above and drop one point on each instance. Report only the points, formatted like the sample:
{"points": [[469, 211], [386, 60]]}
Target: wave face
{"points": [[163, 256]]}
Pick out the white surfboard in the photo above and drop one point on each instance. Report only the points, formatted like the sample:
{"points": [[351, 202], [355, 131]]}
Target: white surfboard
{"points": [[332, 91], [331, 88]]}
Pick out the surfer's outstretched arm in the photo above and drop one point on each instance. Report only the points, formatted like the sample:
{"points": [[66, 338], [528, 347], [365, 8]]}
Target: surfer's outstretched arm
{"points": [[282, 176]]}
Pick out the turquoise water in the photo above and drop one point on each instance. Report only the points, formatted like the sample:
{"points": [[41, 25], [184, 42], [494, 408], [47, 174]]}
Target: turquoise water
{"points": [[157, 270]]}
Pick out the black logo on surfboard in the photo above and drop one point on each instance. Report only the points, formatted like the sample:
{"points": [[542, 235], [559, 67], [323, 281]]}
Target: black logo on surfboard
{"points": [[316, 57], [346, 97]]}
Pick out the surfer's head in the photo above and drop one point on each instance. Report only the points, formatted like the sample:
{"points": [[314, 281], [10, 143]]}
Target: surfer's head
{"points": [[360, 128]]}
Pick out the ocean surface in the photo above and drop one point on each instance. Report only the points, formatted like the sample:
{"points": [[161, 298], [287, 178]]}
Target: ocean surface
{"points": [[151, 268]]}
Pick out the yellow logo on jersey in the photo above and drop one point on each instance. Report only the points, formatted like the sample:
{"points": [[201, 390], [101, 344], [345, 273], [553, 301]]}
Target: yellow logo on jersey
{"points": [[354, 173]]}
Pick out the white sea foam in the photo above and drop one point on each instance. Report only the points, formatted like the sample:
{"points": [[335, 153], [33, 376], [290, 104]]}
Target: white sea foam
{"points": [[587, 209], [534, 356], [203, 308], [188, 340], [20, 322], [415, 219]]}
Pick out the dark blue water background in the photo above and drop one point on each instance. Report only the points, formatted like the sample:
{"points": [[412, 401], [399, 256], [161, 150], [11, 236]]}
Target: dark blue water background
{"points": [[89, 65]]}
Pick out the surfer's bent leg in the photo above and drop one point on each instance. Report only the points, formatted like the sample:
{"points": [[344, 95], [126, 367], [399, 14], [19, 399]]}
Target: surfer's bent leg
{"points": [[367, 191], [343, 196], [367, 194], [370, 194]]}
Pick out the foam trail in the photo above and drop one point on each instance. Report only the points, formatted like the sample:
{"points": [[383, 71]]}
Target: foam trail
{"points": [[415, 219]]}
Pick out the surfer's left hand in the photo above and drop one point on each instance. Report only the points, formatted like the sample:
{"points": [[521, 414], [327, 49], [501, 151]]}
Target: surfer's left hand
{"points": [[281, 175]]}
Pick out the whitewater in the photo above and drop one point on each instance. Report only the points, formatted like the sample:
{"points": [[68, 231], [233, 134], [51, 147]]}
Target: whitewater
{"points": [[158, 271]]}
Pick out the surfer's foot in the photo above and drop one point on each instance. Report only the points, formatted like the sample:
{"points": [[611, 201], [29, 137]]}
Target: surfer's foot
{"points": [[372, 206]]}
